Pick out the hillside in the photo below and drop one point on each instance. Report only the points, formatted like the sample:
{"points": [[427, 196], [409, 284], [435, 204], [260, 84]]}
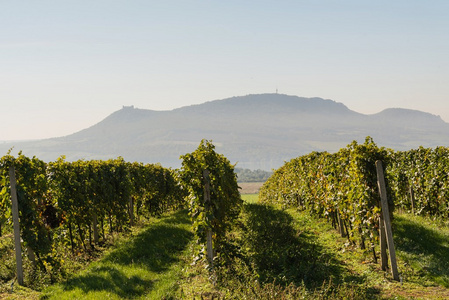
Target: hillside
{"points": [[254, 131]]}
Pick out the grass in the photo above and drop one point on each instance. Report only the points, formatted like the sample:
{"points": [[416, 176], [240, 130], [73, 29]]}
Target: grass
{"points": [[423, 249], [250, 198], [147, 266], [278, 254], [8, 272], [272, 253]]}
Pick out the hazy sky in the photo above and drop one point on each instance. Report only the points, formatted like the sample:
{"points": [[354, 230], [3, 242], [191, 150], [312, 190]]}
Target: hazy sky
{"points": [[66, 65]]}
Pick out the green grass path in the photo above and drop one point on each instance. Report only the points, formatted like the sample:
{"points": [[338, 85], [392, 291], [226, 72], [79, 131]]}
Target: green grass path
{"points": [[287, 245], [147, 266]]}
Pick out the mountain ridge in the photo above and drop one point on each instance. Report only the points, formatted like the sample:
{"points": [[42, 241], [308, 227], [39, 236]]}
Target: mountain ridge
{"points": [[408, 113], [255, 131]]}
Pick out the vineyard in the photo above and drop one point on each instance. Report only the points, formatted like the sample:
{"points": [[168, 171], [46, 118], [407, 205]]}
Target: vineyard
{"points": [[75, 207], [342, 187]]}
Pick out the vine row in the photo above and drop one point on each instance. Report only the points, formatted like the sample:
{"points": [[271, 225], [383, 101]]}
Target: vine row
{"points": [[76, 205], [342, 186]]}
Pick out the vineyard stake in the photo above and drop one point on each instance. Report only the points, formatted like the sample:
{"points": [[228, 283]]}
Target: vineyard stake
{"points": [[95, 226], [209, 245], [412, 199], [15, 218], [383, 244], [386, 215], [131, 211], [340, 224]]}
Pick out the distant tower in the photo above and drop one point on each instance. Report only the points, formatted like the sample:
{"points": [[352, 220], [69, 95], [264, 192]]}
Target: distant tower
{"points": [[276, 90]]}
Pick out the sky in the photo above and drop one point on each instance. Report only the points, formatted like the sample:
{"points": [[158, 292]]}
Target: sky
{"points": [[66, 65]]}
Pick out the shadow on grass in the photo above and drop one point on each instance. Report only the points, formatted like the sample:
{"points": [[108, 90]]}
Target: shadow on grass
{"points": [[277, 252], [154, 249], [111, 280], [426, 247], [157, 247]]}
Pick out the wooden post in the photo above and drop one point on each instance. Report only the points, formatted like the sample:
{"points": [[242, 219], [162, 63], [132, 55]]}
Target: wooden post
{"points": [[209, 245], [15, 218], [386, 215], [131, 211], [412, 199], [95, 227], [383, 244], [340, 224]]}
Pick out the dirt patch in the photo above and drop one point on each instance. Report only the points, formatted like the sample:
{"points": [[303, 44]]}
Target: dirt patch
{"points": [[250, 187], [430, 292]]}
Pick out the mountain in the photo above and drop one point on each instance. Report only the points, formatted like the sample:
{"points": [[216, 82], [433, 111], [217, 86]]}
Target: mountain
{"points": [[254, 131]]}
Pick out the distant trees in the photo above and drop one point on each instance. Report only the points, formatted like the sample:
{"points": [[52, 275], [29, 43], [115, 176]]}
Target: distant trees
{"points": [[247, 175]]}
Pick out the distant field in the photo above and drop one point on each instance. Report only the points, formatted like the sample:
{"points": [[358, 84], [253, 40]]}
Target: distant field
{"points": [[250, 187], [250, 198]]}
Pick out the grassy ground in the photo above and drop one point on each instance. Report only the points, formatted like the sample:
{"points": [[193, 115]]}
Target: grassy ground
{"points": [[272, 254], [250, 198], [147, 266], [282, 254], [423, 251]]}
